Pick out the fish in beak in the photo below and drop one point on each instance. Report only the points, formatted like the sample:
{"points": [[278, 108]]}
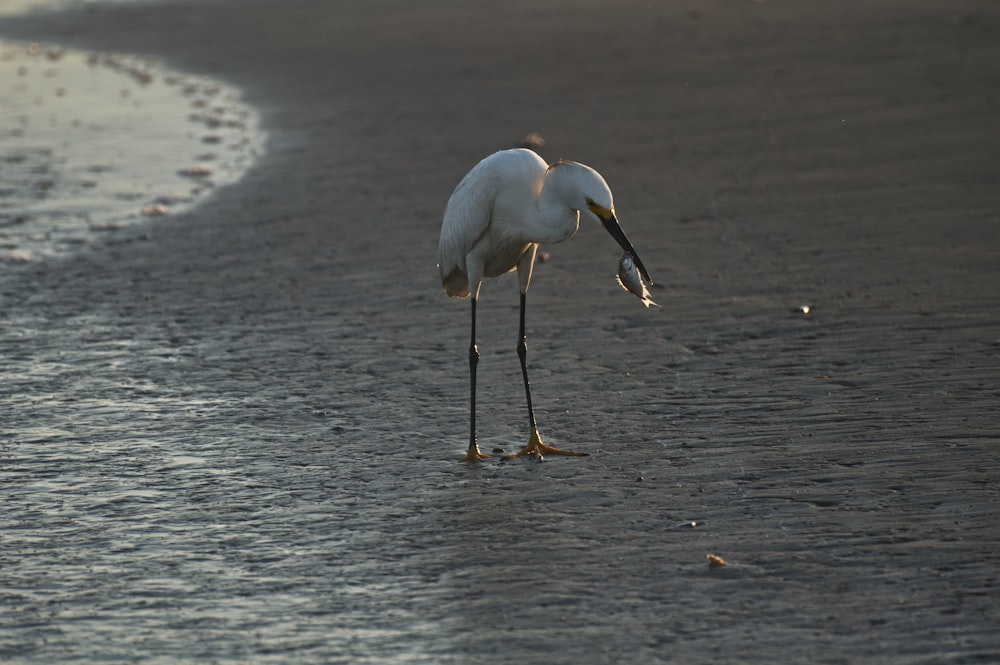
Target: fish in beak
{"points": [[629, 279], [612, 226]]}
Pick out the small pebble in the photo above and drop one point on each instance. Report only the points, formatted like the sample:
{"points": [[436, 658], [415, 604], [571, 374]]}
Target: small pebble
{"points": [[154, 210], [715, 561]]}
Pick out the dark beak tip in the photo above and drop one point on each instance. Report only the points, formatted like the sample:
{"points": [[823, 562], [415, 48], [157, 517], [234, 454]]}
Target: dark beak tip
{"points": [[614, 228]]}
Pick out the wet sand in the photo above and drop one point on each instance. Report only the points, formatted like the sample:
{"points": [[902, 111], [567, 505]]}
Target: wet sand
{"points": [[233, 435]]}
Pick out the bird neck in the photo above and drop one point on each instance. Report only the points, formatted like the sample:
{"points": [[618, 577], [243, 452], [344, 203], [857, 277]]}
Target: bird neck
{"points": [[557, 214]]}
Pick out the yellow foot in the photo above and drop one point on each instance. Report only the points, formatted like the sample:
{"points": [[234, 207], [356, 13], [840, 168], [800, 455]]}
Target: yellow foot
{"points": [[475, 455], [538, 450]]}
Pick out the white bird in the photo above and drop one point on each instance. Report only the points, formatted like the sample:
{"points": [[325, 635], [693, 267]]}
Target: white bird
{"points": [[496, 217]]}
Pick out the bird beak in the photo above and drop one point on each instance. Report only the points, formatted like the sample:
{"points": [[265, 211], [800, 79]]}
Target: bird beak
{"points": [[614, 228]]}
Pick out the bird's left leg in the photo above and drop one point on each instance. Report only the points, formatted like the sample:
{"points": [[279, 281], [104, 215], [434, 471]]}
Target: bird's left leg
{"points": [[535, 447], [473, 454]]}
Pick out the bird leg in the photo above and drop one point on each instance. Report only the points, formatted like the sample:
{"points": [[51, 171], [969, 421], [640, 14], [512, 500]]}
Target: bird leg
{"points": [[473, 454], [535, 447]]}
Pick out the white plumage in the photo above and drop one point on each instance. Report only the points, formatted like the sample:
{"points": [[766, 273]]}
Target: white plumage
{"points": [[508, 204], [496, 217]]}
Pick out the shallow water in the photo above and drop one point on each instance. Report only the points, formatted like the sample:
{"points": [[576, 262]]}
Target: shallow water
{"points": [[91, 142], [13, 7], [241, 445]]}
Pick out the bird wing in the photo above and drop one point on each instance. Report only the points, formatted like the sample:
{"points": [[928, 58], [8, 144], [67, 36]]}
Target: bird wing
{"points": [[466, 218]]}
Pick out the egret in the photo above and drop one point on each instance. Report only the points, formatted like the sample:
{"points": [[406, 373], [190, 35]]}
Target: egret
{"points": [[493, 223]]}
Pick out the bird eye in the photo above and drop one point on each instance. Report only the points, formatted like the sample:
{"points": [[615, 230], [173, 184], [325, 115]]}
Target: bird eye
{"points": [[590, 201]]}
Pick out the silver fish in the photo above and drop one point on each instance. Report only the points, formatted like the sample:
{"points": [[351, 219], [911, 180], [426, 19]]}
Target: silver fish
{"points": [[630, 280]]}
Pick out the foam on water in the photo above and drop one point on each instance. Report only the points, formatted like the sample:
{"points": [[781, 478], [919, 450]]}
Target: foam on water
{"points": [[91, 142]]}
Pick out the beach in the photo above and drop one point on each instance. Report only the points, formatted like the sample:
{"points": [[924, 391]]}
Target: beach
{"points": [[233, 434]]}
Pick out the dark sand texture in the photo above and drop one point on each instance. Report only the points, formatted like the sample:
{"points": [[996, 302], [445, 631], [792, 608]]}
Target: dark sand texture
{"points": [[233, 435]]}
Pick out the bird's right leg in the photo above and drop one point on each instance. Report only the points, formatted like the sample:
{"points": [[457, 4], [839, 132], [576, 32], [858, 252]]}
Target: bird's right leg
{"points": [[473, 454], [535, 447]]}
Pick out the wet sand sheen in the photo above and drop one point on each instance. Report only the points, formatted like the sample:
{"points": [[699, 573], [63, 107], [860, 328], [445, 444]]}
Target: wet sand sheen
{"points": [[95, 141], [236, 440]]}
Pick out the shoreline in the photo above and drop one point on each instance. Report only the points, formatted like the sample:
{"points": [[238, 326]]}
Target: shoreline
{"points": [[93, 142], [234, 436]]}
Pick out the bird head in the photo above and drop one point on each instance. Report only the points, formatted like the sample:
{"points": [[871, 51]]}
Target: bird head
{"points": [[591, 194], [583, 188]]}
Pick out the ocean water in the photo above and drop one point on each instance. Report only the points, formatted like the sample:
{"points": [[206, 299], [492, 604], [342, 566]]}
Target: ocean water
{"points": [[93, 141], [10, 7]]}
